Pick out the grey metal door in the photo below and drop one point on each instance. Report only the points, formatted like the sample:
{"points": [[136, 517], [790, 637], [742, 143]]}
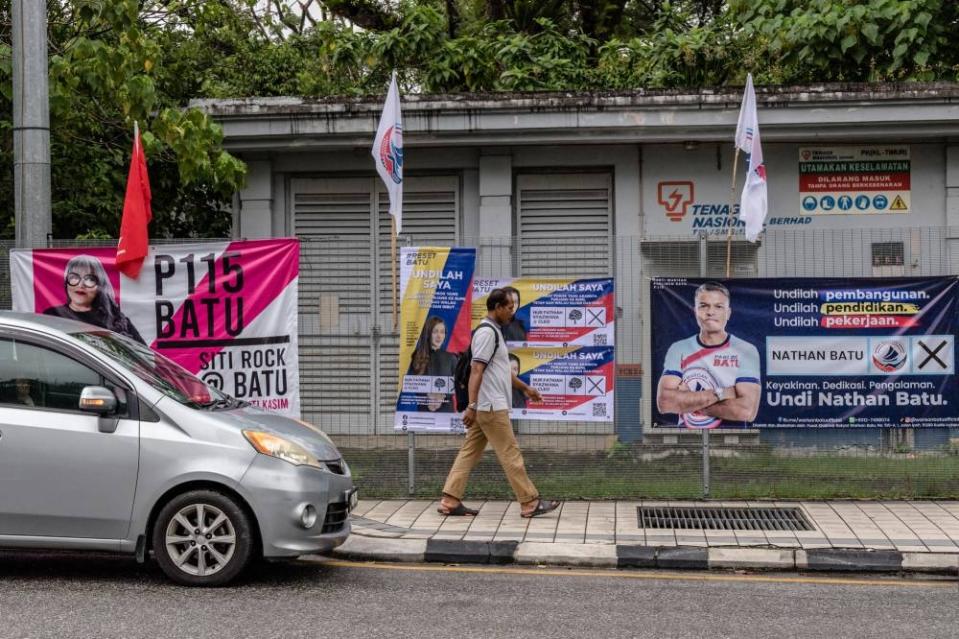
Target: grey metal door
{"points": [[59, 475], [564, 224], [348, 344]]}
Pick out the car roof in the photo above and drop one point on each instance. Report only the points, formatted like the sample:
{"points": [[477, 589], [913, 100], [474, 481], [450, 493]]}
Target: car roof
{"points": [[45, 323]]}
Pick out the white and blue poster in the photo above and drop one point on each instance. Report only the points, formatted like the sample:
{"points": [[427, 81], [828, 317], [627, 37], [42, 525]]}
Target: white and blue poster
{"points": [[804, 352], [553, 311], [561, 342], [576, 383]]}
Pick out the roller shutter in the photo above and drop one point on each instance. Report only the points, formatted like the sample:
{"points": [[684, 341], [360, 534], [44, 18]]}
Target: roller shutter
{"points": [[564, 224], [347, 341]]}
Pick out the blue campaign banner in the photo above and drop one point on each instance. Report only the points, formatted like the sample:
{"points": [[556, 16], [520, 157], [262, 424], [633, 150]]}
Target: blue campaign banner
{"points": [[804, 352]]}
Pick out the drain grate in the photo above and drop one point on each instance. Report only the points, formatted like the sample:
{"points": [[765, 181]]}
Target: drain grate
{"points": [[722, 518]]}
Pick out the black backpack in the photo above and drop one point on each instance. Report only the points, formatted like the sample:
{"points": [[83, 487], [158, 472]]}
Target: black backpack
{"points": [[461, 372]]}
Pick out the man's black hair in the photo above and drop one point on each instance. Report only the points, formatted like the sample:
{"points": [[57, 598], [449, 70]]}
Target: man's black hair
{"points": [[497, 297], [514, 291]]}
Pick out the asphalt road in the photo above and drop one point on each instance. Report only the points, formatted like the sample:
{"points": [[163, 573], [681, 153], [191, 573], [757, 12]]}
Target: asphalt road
{"points": [[102, 596]]}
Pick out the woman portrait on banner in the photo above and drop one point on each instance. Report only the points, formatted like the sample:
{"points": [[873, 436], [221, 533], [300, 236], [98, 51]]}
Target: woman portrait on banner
{"points": [[91, 299], [515, 330], [519, 397], [430, 359]]}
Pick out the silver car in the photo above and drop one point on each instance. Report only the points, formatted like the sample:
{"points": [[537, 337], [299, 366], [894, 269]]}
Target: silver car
{"points": [[106, 445]]}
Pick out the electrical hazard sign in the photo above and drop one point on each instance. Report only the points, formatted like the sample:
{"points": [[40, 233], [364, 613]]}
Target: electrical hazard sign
{"points": [[898, 204]]}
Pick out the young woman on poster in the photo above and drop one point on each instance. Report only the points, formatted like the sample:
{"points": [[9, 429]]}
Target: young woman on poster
{"points": [[429, 358], [91, 299]]}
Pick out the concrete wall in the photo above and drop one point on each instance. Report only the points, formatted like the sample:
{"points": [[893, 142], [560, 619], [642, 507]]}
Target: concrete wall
{"points": [[488, 197]]}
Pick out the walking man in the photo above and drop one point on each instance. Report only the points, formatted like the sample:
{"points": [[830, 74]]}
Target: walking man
{"points": [[487, 416]]}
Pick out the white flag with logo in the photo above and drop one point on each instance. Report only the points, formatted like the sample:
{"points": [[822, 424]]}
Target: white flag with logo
{"points": [[753, 205], [388, 152]]}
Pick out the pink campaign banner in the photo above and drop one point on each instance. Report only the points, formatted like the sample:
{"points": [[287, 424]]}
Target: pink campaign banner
{"points": [[225, 311]]}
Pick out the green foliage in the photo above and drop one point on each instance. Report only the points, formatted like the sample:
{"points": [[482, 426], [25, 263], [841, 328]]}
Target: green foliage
{"points": [[677, 52], [852, 40], [589, 45], [499, 59], [107, 71], [116, 61]]}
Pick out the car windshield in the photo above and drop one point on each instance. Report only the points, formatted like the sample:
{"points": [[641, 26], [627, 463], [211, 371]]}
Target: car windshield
{"points": [[161, 373]]}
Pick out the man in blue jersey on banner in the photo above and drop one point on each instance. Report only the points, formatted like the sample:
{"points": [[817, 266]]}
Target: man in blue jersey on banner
{"points": [[711, 379]]}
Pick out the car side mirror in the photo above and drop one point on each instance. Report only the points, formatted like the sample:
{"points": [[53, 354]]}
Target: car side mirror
{"points": [[99, 400]]}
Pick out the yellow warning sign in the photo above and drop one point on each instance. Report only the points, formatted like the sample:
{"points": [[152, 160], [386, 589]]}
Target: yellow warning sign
{"points": [[898, 204]]}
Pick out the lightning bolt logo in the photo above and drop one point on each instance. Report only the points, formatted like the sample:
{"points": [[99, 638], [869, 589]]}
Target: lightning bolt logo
{"points": [[675, 198]]}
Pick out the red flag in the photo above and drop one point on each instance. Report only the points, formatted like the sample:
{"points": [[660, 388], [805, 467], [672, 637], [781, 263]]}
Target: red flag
{"points": [[134, 240]]}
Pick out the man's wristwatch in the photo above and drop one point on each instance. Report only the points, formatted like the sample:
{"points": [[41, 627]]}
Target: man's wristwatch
{"points": [[471, 405], [719, 392]]}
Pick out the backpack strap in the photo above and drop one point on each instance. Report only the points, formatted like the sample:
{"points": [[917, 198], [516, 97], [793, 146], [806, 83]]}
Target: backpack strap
{"points": [[495, 336]]}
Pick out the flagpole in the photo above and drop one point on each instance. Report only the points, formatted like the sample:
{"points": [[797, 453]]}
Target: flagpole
{"points": [[732, 204], [393, 265]]}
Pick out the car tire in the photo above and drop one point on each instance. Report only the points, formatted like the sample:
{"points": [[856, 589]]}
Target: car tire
{"points": [[203, 538]]}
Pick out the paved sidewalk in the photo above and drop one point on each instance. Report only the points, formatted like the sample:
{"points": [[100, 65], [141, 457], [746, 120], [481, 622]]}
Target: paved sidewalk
{"points": [[860, 536]]}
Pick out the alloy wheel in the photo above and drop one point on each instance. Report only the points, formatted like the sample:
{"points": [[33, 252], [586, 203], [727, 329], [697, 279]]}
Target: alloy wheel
{"points": [[200, 539]]}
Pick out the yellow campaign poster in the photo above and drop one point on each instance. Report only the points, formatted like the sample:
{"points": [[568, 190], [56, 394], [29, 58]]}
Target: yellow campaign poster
{"points": [[435, 289]]}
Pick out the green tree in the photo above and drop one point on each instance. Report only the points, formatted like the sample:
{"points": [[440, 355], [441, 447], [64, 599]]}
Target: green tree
{"points": [[107, 64], [851, 40], [506, 45], [679, 49], [116, 61]]}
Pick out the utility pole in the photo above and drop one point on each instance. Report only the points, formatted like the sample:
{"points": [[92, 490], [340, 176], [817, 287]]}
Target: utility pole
{"points": [[31, 124]]}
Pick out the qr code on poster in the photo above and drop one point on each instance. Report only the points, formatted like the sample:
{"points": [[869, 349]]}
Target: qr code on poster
{"points": [[599, 410], [600, 339]]}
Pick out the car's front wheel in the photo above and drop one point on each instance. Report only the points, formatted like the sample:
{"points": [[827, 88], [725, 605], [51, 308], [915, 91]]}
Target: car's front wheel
{"points": [[202, 538]]}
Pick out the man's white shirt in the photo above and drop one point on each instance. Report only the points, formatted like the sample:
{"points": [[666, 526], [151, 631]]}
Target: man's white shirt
{"points": [[703, 367], [495, 389]]}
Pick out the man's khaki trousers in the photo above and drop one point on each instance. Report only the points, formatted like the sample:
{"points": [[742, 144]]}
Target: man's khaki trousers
{"points": [[494, 427]]}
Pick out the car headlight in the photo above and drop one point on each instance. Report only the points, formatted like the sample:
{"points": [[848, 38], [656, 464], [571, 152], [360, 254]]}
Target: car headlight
{"points": [[276, 446]]}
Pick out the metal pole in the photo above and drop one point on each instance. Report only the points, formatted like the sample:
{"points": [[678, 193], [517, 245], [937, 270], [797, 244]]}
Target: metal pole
{"points": [[411, 462], [393, 266], [729, 218], [704, 272], [31, 124]]}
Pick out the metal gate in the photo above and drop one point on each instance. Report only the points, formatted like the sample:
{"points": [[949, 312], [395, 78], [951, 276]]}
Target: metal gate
{"points": [[348, 344]]}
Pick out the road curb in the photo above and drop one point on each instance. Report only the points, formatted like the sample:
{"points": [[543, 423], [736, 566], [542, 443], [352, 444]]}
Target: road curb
{"points": [[358, 547], [363, 548], [752, 558], [559, 554], [849, 560], [470, 552]]}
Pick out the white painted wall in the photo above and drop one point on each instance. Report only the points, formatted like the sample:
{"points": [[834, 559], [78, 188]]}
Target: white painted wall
{"points": [[709, 167]]}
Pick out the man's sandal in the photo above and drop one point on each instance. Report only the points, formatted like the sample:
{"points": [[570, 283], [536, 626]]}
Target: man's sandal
{"points": [[458, 511], [542, 508]]}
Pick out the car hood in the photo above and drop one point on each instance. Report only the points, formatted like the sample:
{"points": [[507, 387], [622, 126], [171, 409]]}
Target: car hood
{"points": [[306, 435]]}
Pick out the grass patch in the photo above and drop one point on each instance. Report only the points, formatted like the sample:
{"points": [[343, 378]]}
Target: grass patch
{"points": [[755, 475]]}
